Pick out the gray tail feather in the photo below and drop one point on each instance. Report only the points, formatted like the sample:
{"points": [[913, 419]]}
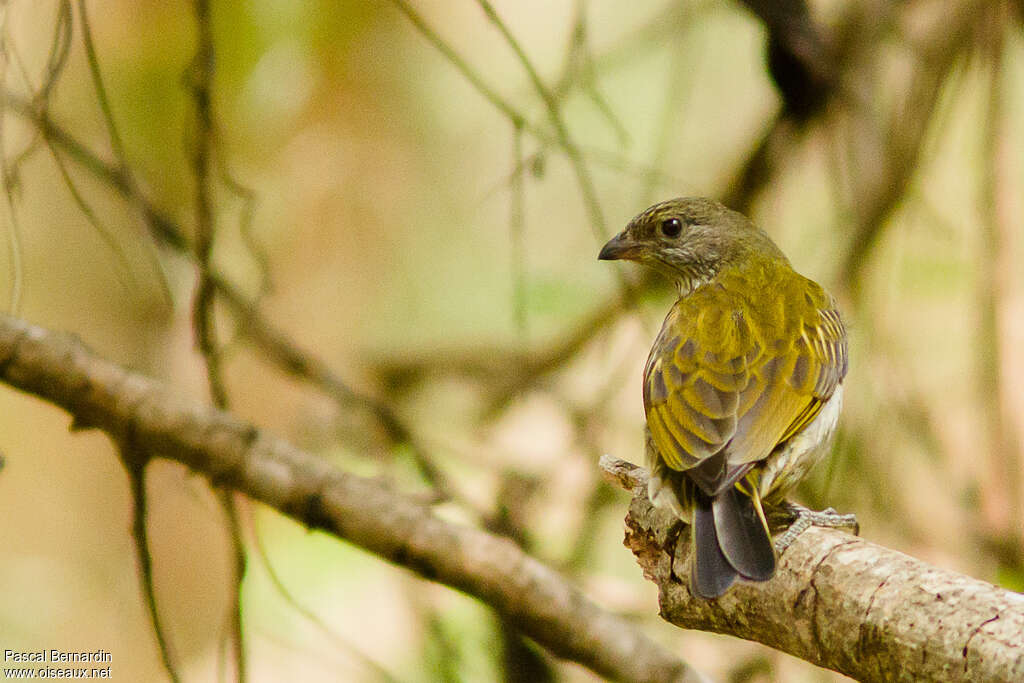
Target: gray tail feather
{"points": [[710, 572], [729, 541], [742, 537]]}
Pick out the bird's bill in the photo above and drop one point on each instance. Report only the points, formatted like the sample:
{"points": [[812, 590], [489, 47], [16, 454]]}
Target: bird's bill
{"points": [[619, 247]]}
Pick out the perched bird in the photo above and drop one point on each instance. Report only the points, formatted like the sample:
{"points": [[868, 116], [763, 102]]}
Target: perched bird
{"points": [[743, 386]]}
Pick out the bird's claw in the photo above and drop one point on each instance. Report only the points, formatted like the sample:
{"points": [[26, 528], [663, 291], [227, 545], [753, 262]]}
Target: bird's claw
{"points": [[805, 518]]}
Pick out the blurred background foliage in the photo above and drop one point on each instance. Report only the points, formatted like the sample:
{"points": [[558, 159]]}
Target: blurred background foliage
{"points": [[416, 218]]}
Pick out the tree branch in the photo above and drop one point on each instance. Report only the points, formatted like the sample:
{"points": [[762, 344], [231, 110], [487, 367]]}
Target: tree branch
{"points": [[275, 345], [234, 454], [843, 603]]}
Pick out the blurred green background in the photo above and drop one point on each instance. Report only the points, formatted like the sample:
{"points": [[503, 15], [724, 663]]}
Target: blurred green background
{"points": [[409, 247]]}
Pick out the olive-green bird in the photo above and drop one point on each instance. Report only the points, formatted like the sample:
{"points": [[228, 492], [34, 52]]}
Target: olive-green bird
{"points": [[743, 387]]}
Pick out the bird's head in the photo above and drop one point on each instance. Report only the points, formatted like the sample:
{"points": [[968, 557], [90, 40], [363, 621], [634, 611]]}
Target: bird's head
{"points": [[690, 239]]}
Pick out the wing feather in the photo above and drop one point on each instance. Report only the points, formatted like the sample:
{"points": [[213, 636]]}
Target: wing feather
{"points": [[728, 376]]}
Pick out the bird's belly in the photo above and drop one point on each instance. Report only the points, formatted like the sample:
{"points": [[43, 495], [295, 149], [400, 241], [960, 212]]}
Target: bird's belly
{"points": [[791, 462]]}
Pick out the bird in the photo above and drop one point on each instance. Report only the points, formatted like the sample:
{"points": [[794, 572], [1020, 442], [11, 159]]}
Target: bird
{"points": [[743, 387]]}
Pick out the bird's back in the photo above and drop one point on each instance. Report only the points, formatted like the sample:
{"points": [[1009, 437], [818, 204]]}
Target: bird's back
{"points": [[741, 364]]}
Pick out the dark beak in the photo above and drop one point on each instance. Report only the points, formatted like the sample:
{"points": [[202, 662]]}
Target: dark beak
{"points": [[619, 247]]}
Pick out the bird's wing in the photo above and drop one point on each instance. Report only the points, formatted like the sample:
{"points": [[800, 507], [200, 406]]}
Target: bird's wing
{"points": [[717, 382]]}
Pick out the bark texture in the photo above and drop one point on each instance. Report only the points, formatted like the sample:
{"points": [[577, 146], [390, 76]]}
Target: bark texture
{"points": [[841, 602]]}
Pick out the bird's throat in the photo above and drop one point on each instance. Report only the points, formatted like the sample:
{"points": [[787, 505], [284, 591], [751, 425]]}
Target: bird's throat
{"points": [[688, 281]]}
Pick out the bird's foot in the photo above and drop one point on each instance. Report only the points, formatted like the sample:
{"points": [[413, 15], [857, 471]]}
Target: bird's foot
{"points": [[804, 518]]}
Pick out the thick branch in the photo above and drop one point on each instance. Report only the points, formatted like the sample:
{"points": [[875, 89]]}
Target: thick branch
{"points": [[844, 603], [234, 454]]}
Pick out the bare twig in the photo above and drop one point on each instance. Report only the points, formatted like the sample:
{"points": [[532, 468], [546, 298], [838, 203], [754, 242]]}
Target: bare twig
{"points": [[286, 354], [200, 81], [13, 232], [135, 461], [565, 141], [60, 48], [467, 71], [239, 567], [579, 70], [113, 133], [245, 221], [126, 278], [101, 91], [562, 137], [517, 228], [9, 180], [234, 454]]}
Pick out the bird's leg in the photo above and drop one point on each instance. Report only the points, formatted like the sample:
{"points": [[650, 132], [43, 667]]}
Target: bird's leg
{"points": [[804, 518]]}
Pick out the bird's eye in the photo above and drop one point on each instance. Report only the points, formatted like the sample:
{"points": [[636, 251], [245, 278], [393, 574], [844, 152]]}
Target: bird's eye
{"points": [[671, 227]]}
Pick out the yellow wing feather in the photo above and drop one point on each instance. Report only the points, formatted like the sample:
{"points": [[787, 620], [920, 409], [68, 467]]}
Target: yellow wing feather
{"points": [[740, 375]]}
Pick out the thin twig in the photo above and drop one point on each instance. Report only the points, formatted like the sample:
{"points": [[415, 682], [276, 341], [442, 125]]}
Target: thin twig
{"points": [[14, 227], [565, 141], [200, 81], [101, 91], [579, 69], [60, 48], [239, 567], [124, 275], [516, 229], [468, 72], [114, 135], [246, 217], [135, 461], [13, 232]]}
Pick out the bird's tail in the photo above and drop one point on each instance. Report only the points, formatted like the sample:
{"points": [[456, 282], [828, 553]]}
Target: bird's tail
{"points": [[730, 541]]}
